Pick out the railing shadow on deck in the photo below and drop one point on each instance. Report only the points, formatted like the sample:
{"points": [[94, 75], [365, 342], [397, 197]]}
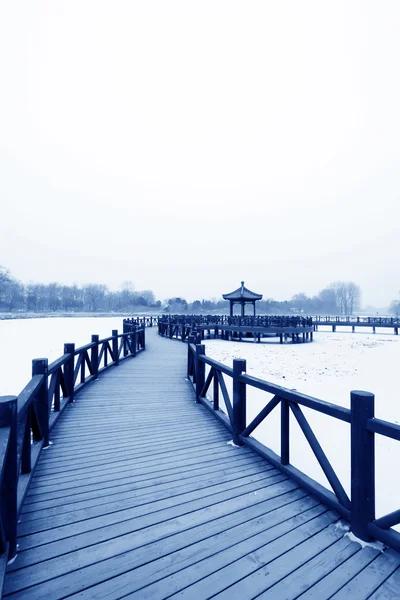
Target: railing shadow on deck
{"points": [[359, 510], [27, 420]]}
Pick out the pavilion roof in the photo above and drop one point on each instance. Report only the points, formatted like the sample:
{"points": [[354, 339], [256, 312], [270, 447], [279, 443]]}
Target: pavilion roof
{"points": [[242, 293]]}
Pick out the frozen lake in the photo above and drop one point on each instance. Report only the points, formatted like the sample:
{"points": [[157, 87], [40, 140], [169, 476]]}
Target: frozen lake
{"points": [[329, 368], [21, 340]]}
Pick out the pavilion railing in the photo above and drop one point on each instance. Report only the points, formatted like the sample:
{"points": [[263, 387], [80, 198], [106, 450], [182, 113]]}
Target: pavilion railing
{"points": [[359, 509], [27, 420], [258, 321]]}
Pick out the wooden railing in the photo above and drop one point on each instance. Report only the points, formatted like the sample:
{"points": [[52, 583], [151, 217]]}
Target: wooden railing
{"points": [[359, 509], [321, 320], [141, 321], [260, 321], [27, 420]]}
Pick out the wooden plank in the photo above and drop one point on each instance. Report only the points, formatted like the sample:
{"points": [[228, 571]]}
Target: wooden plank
{"points": [[39, 566], [76, 523], [389, 589], [372, 577], [153, 479], [312, 571], [263, 566], [155, 577], [139, 521], [341, 575], [142, 493], [68, 502], [142, 462], [185, 543], [150, 469]]}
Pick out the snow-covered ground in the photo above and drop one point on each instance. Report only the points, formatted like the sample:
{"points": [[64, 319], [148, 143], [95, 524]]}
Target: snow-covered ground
{"points": [[25, 339], [328, 368]]}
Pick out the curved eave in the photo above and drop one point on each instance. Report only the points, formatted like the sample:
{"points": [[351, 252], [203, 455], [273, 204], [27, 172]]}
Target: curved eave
{"points": [[240, 298]]}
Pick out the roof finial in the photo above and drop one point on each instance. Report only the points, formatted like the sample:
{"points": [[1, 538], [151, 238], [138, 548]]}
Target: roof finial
{"points": [[242, 290], [242, 282]]}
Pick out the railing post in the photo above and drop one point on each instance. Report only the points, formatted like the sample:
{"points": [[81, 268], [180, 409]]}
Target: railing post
{"points": [[215, 392], [114, 334], [189, 355], [285, 452], [200, 370], [238, 401], [69, 371], [8, 418], [134, 340], [40, 367], [362, 464], [94, 356]]}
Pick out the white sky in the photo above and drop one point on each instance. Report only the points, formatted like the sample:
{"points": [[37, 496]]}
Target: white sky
{"points": [[187, 145]]}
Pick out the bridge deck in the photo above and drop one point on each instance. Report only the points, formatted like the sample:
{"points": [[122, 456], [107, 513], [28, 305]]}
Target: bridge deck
{"points": [[140, 496]]}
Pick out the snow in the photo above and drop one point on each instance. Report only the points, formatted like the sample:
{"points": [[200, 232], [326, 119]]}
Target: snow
{"points": [[25, 339], [232, 443], [375, 545], [329, 368]]}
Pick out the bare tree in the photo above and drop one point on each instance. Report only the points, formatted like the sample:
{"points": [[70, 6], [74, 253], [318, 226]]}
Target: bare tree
{"points": [[5, 276], [353, 296], [348, 296], [93, 295]]}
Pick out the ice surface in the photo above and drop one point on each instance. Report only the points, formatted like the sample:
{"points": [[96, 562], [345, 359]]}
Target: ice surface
{"points": [[21, 340], [329, 368]]}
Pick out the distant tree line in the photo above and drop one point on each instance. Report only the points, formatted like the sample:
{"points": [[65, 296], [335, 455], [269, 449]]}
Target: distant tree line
{"points": [[52, 297], [338, 298]]}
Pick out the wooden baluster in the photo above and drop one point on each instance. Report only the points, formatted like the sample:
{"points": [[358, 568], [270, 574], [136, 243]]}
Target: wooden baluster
{"points": [[94, 356], [69, 371], [57, 402], [200, 370], [215, 391], [238, 400], [9, 418], [134, 340], [115, 346], [285, 433], [26, 466], [189, 355], [83, 368], [362, 464], [40, 367]]}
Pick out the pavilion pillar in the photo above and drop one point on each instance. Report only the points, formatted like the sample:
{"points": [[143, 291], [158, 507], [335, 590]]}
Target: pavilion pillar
{"points": [[254, 308], [231, 308], [242, 305]]}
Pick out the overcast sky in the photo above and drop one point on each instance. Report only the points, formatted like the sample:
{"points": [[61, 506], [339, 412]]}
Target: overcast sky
{"points": [[187, 145]]}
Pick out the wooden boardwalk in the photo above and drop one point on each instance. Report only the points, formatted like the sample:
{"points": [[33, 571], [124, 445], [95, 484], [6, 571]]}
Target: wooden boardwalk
{"points": [[141, 496]]}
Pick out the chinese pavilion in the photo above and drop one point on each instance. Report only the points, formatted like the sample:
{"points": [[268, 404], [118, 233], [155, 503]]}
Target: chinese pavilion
{"points": [[242, 296]]}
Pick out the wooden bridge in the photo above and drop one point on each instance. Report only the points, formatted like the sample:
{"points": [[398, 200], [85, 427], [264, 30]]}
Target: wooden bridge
{"points": [[373, 323], [141, 493]]}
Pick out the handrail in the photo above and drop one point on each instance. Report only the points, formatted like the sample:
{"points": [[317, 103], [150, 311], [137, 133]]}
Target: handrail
{"points": [[360, 508], [254, 321], [26, 421], [181, 326], [140, 322], [56, 364]]}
